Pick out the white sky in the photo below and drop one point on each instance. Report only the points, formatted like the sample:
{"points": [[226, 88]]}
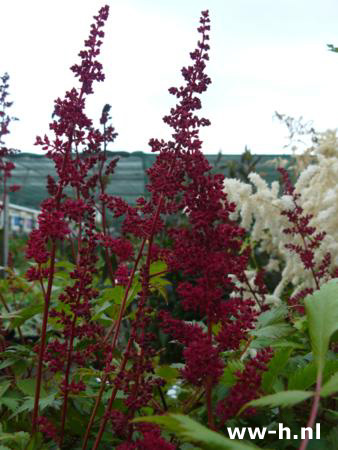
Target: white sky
{"points": [[266, 55]]}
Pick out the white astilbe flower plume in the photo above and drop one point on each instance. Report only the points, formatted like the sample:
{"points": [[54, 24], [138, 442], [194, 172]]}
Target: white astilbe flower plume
{"points": [[259, 210]]}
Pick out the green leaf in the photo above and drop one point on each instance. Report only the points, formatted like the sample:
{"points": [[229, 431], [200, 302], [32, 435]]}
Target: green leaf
{"points": [[67, 265], [275, 366], [332, 413], [167, 373], [135, 289], [19, 437], [9, 315], [114, 295], [275, 331], [284, 398], [110, 298], [10, 402], [35, 442], [157, 267], [3, 387], [303, 378], [272, 316], [229, 378], [322, 312], [8, 362], [27, 405], [102, 309], [189, 430], [159, 284], [25, 314], [27, 386], [331, 367], [330, 387]]}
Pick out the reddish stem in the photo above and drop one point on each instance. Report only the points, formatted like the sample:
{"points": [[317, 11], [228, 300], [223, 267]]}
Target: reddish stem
{"points": [[314, 410], [66, 384], [116, 326], [208, 395], [147, 265], [110, 404], [104, 219], [43, 338], [208, 388]]}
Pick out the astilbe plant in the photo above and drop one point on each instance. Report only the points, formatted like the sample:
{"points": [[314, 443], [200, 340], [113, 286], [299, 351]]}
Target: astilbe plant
{"points": [[76, 152], [206, 254]]}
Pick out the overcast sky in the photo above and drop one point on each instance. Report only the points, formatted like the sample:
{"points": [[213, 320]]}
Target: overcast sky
{"points": [[266, 55]]}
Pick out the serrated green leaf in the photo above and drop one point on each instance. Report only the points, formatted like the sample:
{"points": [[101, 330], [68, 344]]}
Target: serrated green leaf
{"points": [[3, 387], [27, 386], [303, 378], [27, 405], [9, 402], [25, 314], [65, 265], [157, 267], [102, 309], [35, 442], [275, 331], [160, 284], [275, 366], [331, 367], [135, 289], [19, 436], [272, 316], [229, 377], [114, 295], [109, 299], [322, 312], [9, 315], [189, 430], [332, 413], [285, 343], [167, 373], [330, 387], [283, 399], [7, 362]]}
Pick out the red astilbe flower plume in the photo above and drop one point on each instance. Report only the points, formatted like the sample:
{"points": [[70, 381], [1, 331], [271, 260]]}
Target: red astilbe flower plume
{"points": [[247, 387], [207, 251], [78, 151]]}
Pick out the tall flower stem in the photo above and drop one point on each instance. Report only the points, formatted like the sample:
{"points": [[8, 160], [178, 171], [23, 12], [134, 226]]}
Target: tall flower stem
{"points": [[208, 388], [104, 216], [110, 403], [115, 327], [43, 337], [147, 266], [208, 394], [314, 410], [47, 298], [66, 384]]}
